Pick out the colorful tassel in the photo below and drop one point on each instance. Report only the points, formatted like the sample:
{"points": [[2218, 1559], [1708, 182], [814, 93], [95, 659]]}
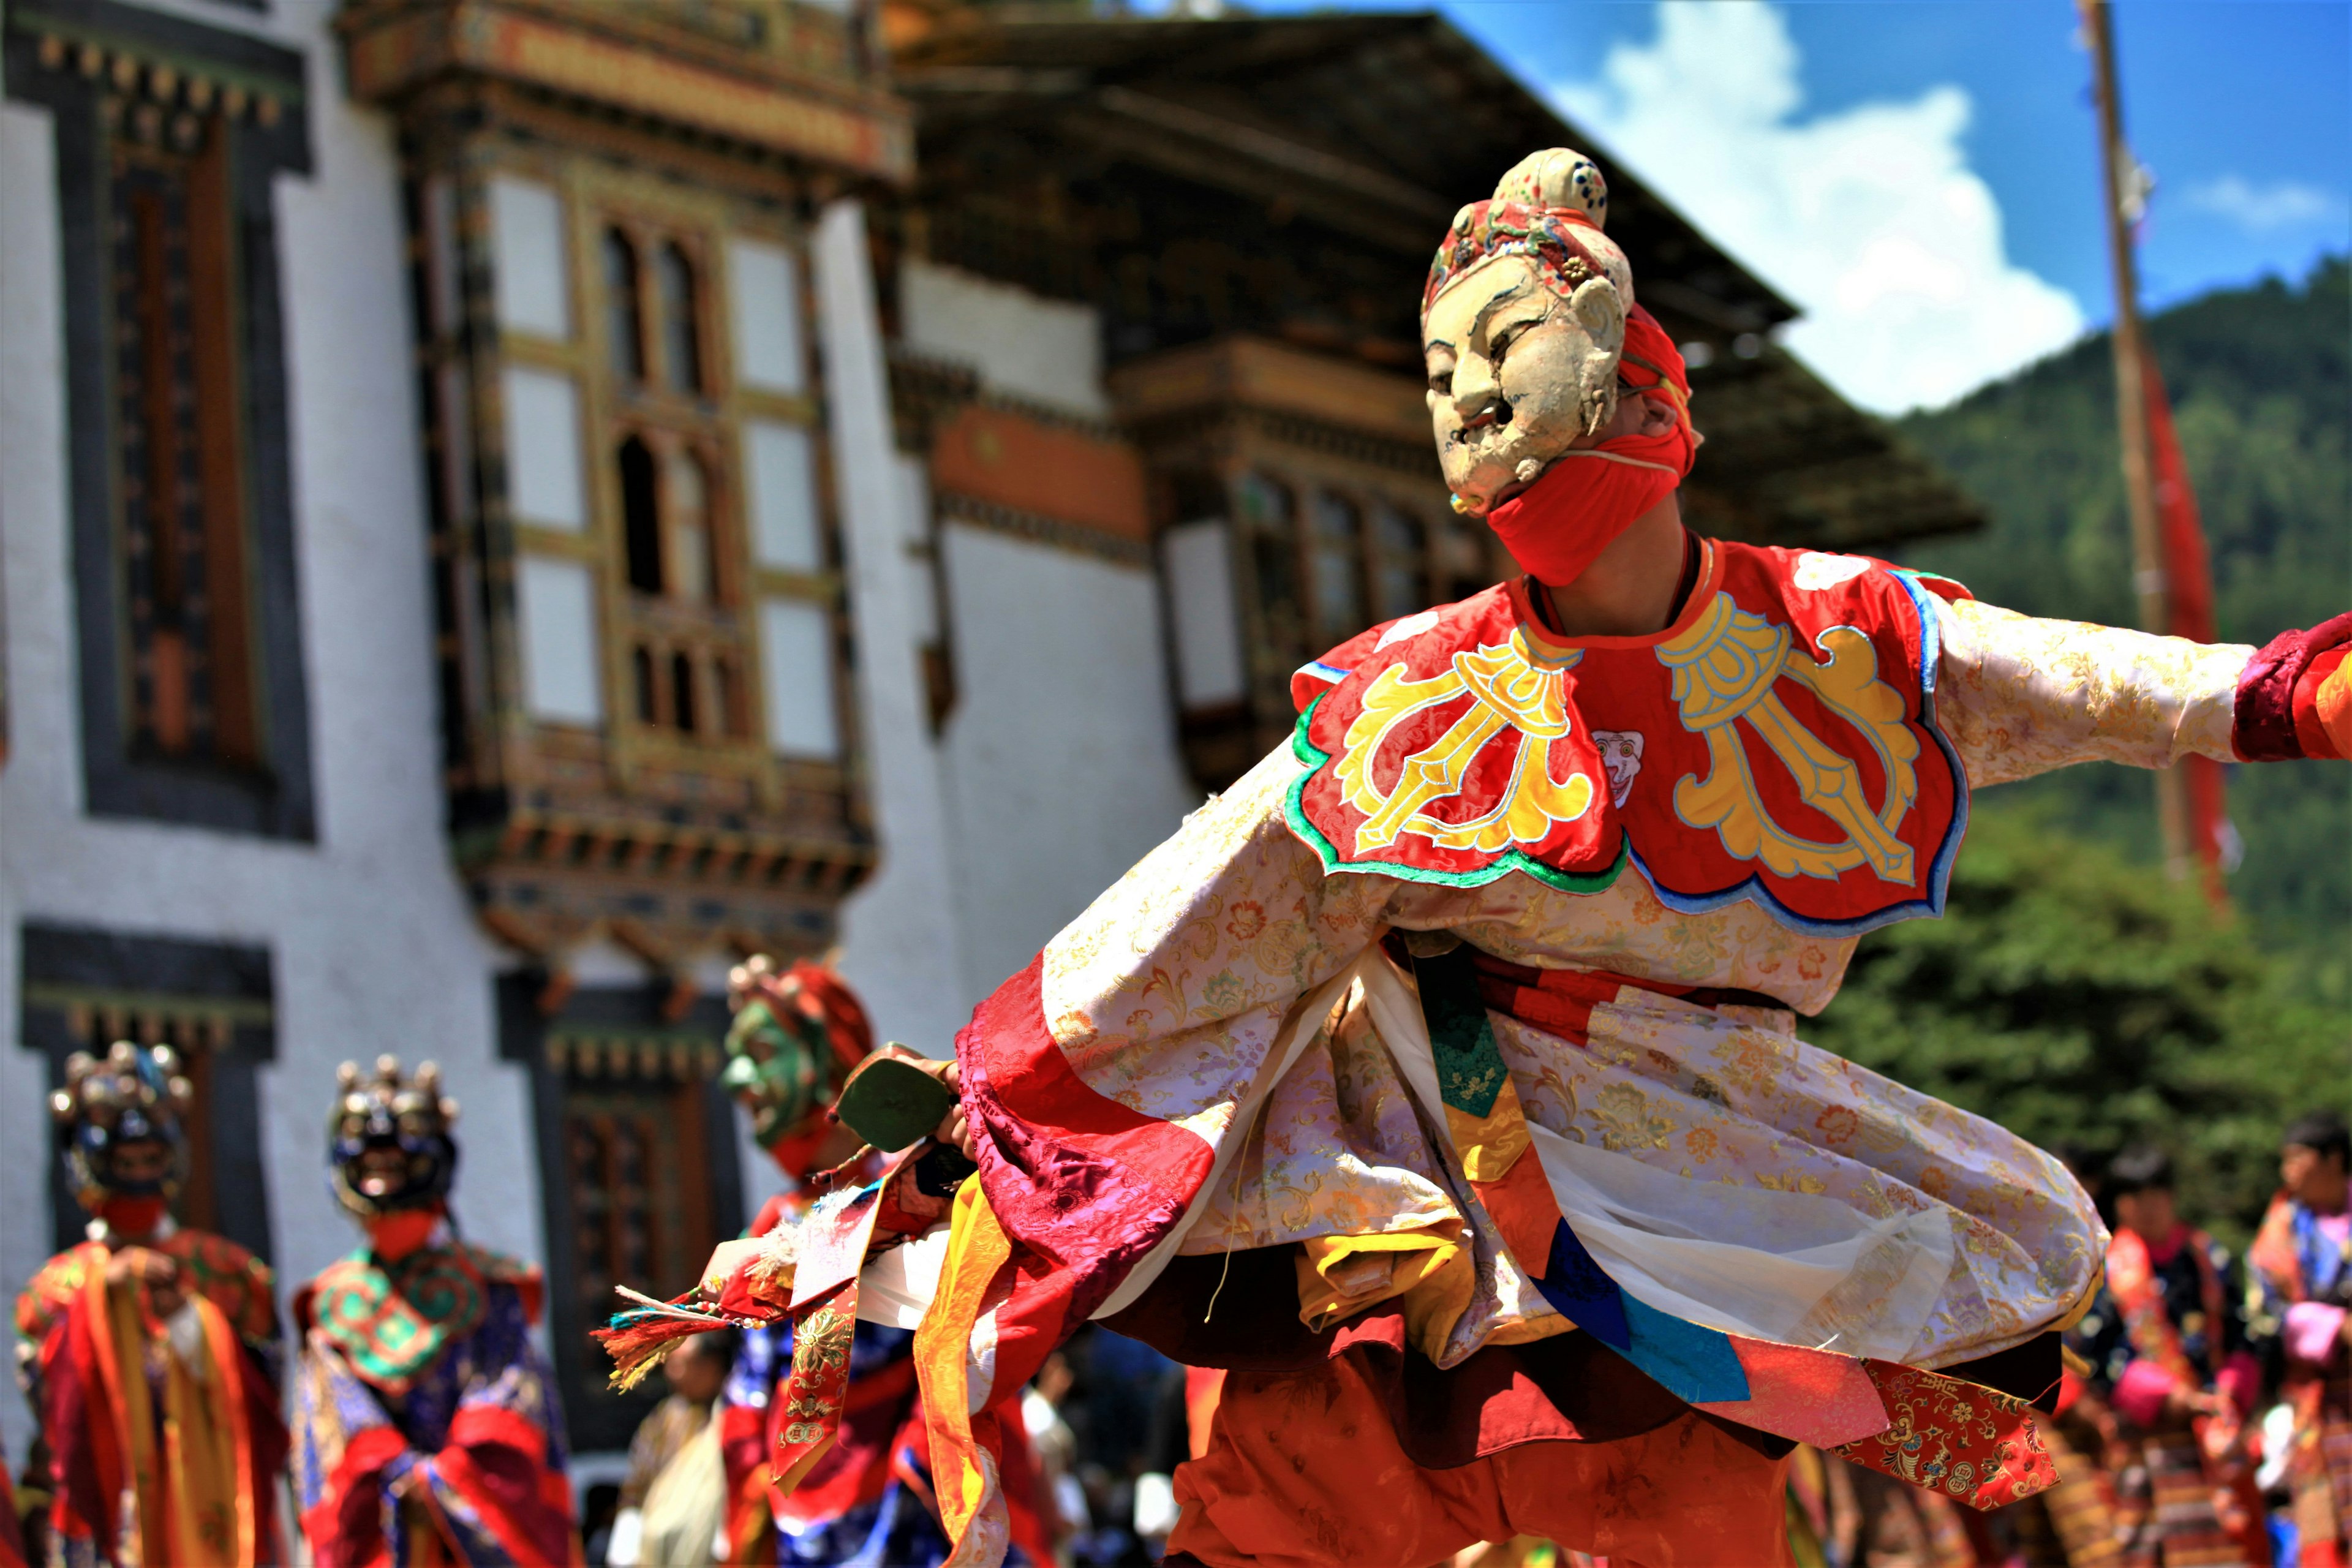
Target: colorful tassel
{"points": [[639, 1337]]}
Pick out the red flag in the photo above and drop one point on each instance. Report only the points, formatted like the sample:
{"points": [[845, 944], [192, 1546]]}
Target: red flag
{"points": [[2188, 613]]}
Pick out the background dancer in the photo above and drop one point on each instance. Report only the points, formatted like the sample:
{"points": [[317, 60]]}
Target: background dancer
{"points": [[427, 1424], [868, 1496], [150, 1351]]}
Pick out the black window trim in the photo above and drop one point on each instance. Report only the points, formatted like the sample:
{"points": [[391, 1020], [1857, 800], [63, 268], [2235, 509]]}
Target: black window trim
{"points": [[278, 803]]}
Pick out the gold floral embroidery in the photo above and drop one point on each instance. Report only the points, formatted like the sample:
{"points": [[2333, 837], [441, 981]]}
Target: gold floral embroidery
{"points": [[2020, 696], [1623, 1113]]}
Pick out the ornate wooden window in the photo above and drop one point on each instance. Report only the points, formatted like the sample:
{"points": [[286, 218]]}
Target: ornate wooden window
{"points": [[170, 134], [1297, 505], [645, 651], [1335, 565], [175, 414], [675, 674], [637, 1163]]}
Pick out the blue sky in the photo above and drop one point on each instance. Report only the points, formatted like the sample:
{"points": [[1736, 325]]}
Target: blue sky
{"points": [[1948, 145]]}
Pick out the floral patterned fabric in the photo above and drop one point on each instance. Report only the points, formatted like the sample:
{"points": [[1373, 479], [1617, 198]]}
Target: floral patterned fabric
{"points": [[1168, 995], [2020, 696]]}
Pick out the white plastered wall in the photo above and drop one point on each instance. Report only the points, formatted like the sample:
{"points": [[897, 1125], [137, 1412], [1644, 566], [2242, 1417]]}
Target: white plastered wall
{"points": [[1063, 749], [900, 939], [1024, 347], [1061, 757], [372, 945]]}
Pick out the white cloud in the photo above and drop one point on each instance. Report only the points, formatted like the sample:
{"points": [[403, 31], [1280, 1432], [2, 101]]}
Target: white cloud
{"points": [[2265, 209], [1868, 219]]}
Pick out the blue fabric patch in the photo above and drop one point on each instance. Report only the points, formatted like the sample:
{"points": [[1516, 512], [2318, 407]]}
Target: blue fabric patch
{"points": [[1573, 1283], [1696, 1364]]}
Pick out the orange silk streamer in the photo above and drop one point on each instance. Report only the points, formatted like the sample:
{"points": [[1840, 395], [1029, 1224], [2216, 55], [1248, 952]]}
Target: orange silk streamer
{"points": [[220, 1338], [963, 1467]]}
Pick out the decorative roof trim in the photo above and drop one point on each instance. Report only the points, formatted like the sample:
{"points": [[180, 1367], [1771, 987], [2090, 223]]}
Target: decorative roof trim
{"points": [[391, 52]]}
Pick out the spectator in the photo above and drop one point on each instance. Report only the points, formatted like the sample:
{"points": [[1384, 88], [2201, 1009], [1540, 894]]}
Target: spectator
{"points": [[2303, 1256], [2167, 1351], [674, 1499]]}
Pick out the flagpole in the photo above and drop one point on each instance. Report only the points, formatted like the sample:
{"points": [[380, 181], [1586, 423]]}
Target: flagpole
{"points": [[2121, 174]]}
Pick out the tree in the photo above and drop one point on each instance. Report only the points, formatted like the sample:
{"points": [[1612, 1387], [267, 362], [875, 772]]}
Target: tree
{"points": [[2260, 380]]}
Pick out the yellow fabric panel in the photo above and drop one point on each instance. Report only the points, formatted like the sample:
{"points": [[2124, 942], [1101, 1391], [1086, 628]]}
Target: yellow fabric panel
{"points": [[127, 1330], [191, 1488], [1490, 1144], [201, 1445], [970, 1499], [1339, 1275]]}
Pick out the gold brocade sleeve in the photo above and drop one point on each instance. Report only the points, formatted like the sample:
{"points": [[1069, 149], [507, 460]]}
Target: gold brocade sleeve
{"points": [[2019, 696]]}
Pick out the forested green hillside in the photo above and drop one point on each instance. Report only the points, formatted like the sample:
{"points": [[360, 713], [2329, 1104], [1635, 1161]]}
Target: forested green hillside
{"points": [[2261, 382], [2070, 994]]}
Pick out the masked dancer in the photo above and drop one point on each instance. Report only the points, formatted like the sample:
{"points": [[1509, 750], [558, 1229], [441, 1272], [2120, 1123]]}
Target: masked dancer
{"points": [[426, 1427], [797, 1032], [1442, 1078], [151, 1350]]}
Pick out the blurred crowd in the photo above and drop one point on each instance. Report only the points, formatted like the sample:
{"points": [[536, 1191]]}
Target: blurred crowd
{"points": [[2203, 1416]]}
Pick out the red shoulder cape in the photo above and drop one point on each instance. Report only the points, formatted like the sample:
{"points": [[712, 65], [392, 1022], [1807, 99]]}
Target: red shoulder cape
{"points": [[1776, 744]]}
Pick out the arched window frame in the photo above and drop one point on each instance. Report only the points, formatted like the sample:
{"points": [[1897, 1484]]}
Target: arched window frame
{"points": [[719, 631]]}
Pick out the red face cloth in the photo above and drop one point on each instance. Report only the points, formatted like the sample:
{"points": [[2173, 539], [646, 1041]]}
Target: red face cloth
{"points": [[1557, 527], [133, 1218], [395, 1235]]}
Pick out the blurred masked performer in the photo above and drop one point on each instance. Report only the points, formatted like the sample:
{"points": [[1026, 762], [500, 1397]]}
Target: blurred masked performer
{"points": [[1440, 1078], [150, 1351], [2303, 1255], [12, 1534], [797, 1033], [426, 1427]]}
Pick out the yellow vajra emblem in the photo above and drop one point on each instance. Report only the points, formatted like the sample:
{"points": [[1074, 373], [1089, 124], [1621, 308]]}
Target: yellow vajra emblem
{"points": [[1726, 667], [1508, 690]]}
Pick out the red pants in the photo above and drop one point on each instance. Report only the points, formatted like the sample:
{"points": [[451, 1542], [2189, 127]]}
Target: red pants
{"points": [[1304, 1470]]}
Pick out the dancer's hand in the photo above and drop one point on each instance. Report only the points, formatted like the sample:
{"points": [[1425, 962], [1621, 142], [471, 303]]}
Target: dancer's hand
{"points": [[158, 1271]]}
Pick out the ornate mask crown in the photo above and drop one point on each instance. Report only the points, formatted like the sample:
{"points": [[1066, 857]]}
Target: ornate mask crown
{"points": [[1550, 208], [796, 1034], [135, 1094], [389, 1146]]}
